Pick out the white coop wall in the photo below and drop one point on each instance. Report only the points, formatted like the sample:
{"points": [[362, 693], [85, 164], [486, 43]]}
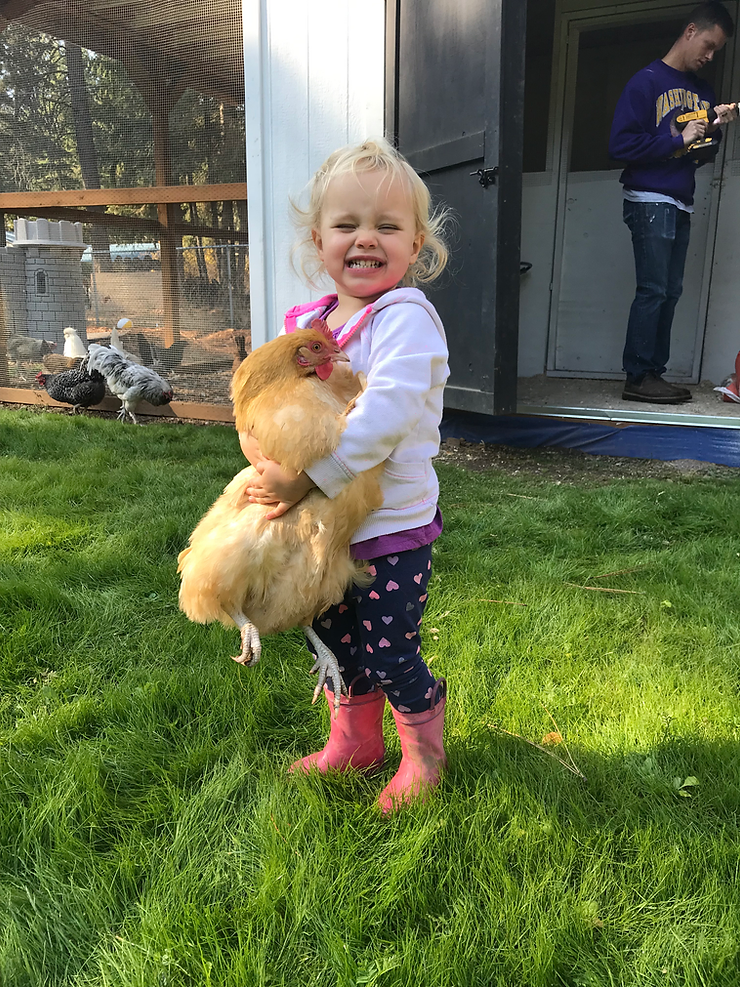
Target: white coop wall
{"points": [[314, 74]]}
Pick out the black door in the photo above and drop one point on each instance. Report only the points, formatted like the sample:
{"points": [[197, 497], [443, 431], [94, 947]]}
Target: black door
{"points": [[455, 91]]}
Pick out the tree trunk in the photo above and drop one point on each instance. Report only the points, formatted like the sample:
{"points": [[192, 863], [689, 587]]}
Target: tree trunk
{"points": [[86, 148], [199, 256], [212, 153]]}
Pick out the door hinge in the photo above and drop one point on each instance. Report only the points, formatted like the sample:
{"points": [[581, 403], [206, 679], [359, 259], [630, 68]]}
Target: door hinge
{"points": [[486, 176]]}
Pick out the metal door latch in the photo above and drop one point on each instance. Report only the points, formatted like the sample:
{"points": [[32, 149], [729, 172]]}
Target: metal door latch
{"points": [[486, 176]]}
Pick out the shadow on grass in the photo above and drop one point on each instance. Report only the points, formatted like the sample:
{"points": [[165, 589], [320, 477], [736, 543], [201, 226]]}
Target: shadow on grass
{"points": [[175, 824]]}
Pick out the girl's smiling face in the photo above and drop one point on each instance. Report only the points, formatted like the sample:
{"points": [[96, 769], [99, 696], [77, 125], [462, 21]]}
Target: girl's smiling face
{"points": [[367, 237]]}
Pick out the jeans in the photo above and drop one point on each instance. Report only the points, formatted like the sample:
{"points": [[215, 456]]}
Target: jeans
{"points": [[660, 239]]}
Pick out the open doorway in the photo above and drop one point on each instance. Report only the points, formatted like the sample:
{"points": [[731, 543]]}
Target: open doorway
{"points": [[576, 297], [593, 282]]}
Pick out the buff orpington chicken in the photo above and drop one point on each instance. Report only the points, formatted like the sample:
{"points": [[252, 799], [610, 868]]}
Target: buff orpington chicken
{"points": [[293, 395]]}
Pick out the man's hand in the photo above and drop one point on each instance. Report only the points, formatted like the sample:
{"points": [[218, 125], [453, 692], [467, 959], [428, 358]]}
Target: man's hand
{"points": [[725, 113], [277, 486], [694, 130]]}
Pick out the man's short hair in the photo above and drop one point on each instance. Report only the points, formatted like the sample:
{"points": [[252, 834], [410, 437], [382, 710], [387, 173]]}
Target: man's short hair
{"points": [[711, 14]]}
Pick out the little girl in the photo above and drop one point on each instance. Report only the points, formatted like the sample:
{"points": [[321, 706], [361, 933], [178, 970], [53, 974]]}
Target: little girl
{"points": [[369, 226]]}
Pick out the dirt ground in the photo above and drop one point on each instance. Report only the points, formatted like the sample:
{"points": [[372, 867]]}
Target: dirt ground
{"points": [[559, 465], [571, 465]]}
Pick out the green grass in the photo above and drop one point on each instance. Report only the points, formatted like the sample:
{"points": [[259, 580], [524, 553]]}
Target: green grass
{"points": [[149, 834]]}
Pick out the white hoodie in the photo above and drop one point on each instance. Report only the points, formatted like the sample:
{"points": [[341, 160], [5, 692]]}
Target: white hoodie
{"points": [[399, 343]]}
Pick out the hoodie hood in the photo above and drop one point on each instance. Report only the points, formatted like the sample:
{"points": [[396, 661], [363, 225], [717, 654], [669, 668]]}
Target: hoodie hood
{"points": [[301, 316]]}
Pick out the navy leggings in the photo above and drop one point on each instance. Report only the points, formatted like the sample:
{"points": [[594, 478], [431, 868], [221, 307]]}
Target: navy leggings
{"points": [[375, 631]]}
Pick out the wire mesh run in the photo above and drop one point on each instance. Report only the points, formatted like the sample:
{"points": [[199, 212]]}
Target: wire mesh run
{"points": [[123, 190], [213, 334]]}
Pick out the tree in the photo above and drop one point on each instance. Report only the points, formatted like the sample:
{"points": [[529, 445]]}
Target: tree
{"points": [[86, 148], [36, 129], [70, 118]]}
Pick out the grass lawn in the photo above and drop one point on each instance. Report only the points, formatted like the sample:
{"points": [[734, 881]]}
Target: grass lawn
{"points": [[149, 834]]}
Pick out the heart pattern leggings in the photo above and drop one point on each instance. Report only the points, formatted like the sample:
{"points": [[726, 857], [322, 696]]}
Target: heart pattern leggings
{"points": [[375, 631]]}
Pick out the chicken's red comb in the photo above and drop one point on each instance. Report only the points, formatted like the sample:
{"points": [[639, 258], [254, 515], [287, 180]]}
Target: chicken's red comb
{"points": [[321, 326]]}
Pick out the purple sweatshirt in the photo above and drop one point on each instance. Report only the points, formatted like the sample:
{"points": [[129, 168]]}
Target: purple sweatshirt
{"points": [[644, 133]]}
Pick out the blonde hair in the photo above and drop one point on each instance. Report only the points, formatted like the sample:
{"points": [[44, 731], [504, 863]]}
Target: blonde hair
{"points": [[373, 155]]}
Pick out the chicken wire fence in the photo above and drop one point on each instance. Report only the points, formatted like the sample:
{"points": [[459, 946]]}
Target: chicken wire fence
{"points": [[213, 304], [108, 101]]}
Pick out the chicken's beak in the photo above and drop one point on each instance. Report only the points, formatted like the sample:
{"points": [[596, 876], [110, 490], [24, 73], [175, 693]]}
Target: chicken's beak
{"points": [[339, 357]]}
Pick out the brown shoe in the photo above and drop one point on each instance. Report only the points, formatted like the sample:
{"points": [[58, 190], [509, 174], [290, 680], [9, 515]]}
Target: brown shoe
{"points": [[655, 390], [678, 389]]}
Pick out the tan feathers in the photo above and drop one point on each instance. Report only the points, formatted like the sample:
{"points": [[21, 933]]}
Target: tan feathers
{"points": [[284, 572]]}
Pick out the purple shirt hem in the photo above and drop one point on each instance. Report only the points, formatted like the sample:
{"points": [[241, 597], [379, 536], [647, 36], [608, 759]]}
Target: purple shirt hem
{"points": [[399, 541]]}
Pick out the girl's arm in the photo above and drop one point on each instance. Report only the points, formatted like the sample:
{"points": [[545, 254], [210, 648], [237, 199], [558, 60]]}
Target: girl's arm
{"points": [[277, 486], [250, 447], [408, 360]]}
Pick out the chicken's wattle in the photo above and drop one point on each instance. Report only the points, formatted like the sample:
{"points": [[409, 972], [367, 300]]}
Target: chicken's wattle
{"points": [[323, 370]]}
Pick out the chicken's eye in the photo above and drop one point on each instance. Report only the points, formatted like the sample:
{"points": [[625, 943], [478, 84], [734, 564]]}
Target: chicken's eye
{"points": [[316, 347]]}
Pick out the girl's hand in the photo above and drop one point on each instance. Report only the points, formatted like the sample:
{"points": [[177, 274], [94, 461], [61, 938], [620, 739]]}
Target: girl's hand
{"points": [[250, 447], [277, 486]]}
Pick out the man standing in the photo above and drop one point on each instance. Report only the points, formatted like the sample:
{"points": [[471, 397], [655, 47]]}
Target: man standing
{"points": [[659, 184]]}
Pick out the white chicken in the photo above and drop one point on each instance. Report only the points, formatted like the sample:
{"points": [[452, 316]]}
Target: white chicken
{"points": [[73, 345], [116, 343]]}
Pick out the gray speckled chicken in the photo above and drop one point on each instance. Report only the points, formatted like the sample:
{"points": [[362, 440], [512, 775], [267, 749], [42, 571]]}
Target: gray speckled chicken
{"points": [[131, 382], [27, 349]]}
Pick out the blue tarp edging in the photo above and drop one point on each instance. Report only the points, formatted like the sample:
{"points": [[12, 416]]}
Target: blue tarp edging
{"points": [[710, 445]]}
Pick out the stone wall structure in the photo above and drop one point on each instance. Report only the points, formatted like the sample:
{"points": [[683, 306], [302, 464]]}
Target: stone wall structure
{"points": [[13, 287], [41, 280]]}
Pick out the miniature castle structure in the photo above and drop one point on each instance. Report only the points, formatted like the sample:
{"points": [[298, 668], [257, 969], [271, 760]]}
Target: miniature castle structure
{"points": [[41, 280]]}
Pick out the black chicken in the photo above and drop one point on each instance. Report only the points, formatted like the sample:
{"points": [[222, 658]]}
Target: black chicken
{"points": [[79, 387]]}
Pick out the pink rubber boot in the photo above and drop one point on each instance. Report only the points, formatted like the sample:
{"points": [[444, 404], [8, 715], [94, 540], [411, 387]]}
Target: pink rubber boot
{"points": [[422, 755], [355, 738]]}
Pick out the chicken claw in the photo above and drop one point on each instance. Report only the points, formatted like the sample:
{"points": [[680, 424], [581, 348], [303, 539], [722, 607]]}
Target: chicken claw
{"points": [[123, 411], [251, 645], [327, 666]]}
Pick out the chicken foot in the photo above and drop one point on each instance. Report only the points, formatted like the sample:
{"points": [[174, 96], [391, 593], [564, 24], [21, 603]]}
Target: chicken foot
{"points": [[251, 645], [123, 411], [327, 666]]}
